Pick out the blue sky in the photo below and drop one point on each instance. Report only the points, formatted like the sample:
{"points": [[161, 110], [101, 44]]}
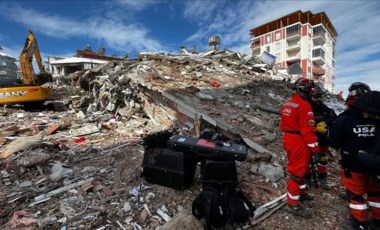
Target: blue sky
{"points": [[133, 26]]}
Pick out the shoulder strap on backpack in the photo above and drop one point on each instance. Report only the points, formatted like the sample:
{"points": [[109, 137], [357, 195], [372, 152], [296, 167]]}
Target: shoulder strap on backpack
{"points": [[246, 201]]}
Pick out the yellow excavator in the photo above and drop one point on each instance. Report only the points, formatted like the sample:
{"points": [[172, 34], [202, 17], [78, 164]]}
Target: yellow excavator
{"points": [[31, 87]]}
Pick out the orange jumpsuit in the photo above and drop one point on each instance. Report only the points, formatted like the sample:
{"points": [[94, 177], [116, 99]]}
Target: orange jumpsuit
{"points": [[299, 141]]}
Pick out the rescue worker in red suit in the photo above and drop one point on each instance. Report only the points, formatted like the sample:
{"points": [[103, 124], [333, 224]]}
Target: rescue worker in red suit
{"points": [[300, 143], [357, 132], [324, 116]]}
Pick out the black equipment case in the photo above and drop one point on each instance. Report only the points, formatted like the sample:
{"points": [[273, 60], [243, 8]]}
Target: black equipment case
{"points": [[169, 168], [218, 172], [209, 149]]}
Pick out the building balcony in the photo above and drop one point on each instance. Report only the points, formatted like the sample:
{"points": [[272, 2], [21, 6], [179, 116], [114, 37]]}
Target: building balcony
{"points": [[293, 57], [293, 47], [318, 71], [293, 36], [319, 59], [255, 45], [319, 38]]}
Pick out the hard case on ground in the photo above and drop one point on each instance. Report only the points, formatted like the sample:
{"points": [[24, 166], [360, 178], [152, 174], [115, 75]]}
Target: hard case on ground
{"points": [[218, 172], [208, 149], [169, 168]]}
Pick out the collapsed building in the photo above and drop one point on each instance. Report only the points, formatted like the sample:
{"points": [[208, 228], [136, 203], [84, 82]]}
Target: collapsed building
{"points": [[80, 168]]}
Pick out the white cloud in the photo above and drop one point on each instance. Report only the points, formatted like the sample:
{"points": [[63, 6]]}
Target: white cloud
{"points": [[116, 35], [136, 5], [12, 51]]}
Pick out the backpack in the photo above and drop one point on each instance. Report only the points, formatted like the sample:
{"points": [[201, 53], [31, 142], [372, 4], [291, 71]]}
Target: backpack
{"points": [[210, 204], [221, 206], [239, 208]]}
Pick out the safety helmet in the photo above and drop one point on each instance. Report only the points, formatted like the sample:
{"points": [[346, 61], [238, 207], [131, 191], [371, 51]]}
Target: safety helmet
{"points": [[359, 85], [355, 90], [303, 86], [316, 91], [369, 102]]}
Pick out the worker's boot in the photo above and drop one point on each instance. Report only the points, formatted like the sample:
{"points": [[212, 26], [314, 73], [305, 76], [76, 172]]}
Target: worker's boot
{"points": [[374, 224], [298, 210], [324, 184], [309, 182], [353, 224], [322, 179], [345, 195], [306, 197]]}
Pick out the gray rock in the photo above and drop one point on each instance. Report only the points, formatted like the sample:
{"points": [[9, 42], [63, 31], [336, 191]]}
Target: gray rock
{"points": [[273, 173], [183, 220], [25, 184]]}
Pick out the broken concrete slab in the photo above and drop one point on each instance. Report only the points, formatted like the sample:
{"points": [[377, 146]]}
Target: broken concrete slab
{"points": [[88, 129], [20, 144]]}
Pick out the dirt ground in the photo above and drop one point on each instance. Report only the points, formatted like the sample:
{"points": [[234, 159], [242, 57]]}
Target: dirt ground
{"points": [[328, 208]]}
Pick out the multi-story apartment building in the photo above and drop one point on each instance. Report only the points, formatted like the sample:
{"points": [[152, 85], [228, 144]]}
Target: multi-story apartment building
{"points": [[300, 37]]}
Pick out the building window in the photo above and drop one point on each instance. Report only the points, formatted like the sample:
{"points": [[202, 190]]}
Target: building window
{"points": [[319, 30], [319, 53], [278, 35], [268, 49], [267, 39], [296, 29]]}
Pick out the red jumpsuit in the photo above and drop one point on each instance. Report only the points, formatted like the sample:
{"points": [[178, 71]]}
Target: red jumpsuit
{"points": [[300, 142]]}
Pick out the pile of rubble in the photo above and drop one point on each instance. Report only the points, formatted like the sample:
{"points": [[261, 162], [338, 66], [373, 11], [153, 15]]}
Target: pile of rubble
{"points": [[79, 168]]}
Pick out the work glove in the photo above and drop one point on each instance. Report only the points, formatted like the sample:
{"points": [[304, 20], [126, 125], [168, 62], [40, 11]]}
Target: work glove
{"points": [[321, 127], [324, 158], [320, 157]]}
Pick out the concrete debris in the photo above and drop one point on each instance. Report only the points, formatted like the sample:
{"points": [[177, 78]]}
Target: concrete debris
{"points": [[271, 172], [20, 144], [183, 220], [79, 167], [85, 130], [37, 156], [20, 219]]}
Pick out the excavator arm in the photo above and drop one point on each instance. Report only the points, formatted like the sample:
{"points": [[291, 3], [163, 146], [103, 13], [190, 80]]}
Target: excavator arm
{"points": [[26, 60]]}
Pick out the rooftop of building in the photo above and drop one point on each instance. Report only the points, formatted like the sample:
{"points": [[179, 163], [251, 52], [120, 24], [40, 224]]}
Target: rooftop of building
{"points": [[297, 16]]}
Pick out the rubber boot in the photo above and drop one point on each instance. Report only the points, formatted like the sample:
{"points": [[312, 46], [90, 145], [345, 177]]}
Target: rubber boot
{"points": [[306, 197], [299, 210], [322, 178], [324, 184], [345, 195]]}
